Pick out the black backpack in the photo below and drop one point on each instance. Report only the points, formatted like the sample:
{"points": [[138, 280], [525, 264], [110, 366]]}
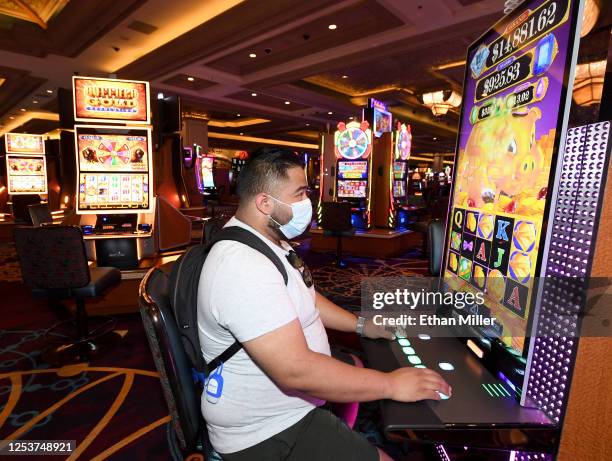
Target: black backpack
{"points": [[183, 291]]}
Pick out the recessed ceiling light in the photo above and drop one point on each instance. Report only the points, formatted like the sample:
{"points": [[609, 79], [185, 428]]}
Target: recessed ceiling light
{"points": [[35, 102], [241, 134], [50, 91], [237, 115], [435, 139], [252, 55], [330, 113], [308, 124], [191, 79], [253, 94], [351, 118], [12, 118], [332, 27], [345, 76], [22, 109], [287, 102]]}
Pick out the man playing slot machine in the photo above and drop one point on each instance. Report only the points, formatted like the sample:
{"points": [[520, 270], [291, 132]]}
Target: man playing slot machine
{"points": [[270, 407]]}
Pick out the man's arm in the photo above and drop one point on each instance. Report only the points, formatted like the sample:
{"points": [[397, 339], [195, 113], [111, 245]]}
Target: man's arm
{"points": [[285, 357], [336, 318]]}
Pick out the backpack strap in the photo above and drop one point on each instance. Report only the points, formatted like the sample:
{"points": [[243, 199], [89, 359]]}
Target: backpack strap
{"points": [[239, 234]]}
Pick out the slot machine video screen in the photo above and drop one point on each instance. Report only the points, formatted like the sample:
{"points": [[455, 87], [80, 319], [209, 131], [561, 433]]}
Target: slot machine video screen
{"points": [[27, 174], [399, 170], [382, 122], [399, 189], [353, 170], [511, 119], [352, 189], [114, 166], [205, 172]]}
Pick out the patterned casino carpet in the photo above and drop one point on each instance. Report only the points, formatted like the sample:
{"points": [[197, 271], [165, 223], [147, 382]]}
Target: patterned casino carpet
{"points": [[113, 406]]}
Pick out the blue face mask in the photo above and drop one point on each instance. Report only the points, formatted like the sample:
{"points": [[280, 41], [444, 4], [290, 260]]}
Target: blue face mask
{"points": [[299, 222]]}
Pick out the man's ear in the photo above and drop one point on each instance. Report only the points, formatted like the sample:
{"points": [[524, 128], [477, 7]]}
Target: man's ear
{"points": [[263, 203]]}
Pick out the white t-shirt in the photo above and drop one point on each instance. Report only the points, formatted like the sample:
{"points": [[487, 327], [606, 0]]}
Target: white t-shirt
{"points": [[242, 293]]}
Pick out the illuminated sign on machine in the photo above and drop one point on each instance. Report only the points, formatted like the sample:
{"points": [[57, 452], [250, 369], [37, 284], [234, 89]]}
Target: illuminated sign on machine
{"points": [[403, 141], [515, 91], [21, 143], [353, 140], [382, 117], [110, 100]]}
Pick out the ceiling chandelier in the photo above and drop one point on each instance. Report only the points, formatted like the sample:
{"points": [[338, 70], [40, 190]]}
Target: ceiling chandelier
{"points": [[440, 102]]}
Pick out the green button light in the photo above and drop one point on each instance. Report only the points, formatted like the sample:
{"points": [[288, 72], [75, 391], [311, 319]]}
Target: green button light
{"points": [[414, 359], [420, 366], [403, 342], [408, 350]]}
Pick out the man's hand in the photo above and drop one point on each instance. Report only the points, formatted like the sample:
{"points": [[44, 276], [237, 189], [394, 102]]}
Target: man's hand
{"points": [[409, 384], [373, 331]]}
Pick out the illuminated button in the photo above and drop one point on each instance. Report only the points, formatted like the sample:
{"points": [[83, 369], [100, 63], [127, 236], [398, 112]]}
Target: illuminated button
{"points": [[403, 342], [446, 366], [443, 396], [420, 366], [408, 350], [414, 359], [424, 337]]}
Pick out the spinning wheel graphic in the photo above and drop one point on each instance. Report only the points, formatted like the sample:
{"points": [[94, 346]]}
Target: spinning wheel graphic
{"points": [[353, 140], [403, 143], [112, 153]]}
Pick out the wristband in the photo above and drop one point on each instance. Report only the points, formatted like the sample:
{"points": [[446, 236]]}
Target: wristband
{"points": [[360, 325]]}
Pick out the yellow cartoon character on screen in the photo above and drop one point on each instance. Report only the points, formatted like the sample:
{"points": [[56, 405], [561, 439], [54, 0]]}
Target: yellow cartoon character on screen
{"points": [[501, 159]]}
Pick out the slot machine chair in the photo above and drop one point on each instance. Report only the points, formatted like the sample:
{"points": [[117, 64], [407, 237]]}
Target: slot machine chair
{"points": [[336, 222], [186, 432], [40, 214], [54, 265]]}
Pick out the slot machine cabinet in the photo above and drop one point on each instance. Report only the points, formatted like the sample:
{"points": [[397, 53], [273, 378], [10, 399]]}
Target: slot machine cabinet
{"points": [[383, 207], [402, 149], [353, 149]]}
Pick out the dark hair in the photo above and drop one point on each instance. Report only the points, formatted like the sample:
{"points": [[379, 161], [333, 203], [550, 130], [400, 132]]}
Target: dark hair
{"points": [[265, 168]]}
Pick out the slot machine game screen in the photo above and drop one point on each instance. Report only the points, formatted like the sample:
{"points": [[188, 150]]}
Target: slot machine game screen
{"points": [[515, 90], [382, 122], [353, 170], [399, 189], [21, 143], [114, 169], [399, 170], [352, 189], [27, 174], [207, 172]]}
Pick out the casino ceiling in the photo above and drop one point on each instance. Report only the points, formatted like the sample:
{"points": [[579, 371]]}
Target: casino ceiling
{"points": [[274, 69]]}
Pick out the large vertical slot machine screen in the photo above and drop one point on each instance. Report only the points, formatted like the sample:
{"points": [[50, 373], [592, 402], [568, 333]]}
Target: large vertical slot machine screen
{"points": [[27, 174], [515, 92], [114, 169]]}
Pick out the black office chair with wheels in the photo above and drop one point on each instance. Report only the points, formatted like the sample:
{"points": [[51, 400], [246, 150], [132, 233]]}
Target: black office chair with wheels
{"points": [[54, 265], [186, 431], [336, 222], [40, 214]]}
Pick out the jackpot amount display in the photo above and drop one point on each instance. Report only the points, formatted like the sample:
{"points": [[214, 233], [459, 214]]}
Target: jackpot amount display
{"points": [[112, 152], [513, 92], [353, 170], [113, 191]]}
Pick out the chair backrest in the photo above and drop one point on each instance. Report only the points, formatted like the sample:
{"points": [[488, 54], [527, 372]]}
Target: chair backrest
{"points": [[40, 214], [435, 237], [180, 392], [20, 206], [336, 216], [52, 257]]}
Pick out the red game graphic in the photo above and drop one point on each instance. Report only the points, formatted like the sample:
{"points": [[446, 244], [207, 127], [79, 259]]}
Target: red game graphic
{"points": [[112, 152]]}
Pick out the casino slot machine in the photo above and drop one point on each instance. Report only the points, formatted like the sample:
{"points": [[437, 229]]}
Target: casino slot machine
{"points": [[383, 211], [524, 211], [353, 148], [402, 147]]}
